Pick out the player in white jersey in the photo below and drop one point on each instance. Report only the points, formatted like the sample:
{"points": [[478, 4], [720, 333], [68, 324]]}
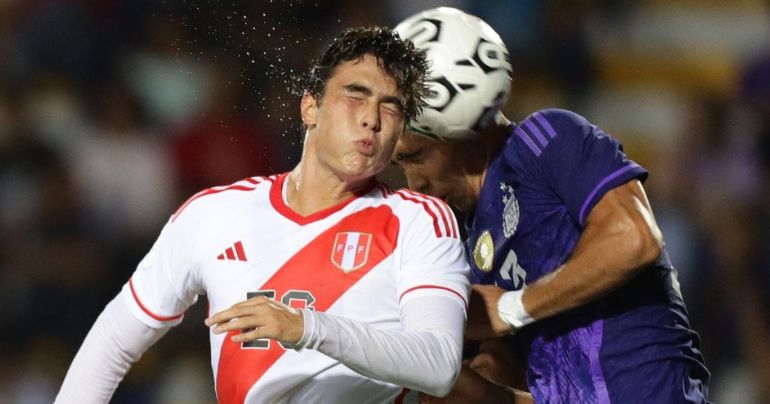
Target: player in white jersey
{"points": [[323, 285]]}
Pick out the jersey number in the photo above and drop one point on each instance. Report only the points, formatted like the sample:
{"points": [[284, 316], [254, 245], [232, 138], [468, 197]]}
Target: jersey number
{"points": [[512, 271], [298, 299]]}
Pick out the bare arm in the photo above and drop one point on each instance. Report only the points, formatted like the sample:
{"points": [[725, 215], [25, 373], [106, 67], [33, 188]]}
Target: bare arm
{"points": [[620, 238]]}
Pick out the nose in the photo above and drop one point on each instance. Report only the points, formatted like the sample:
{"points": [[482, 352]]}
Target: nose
{"points": [[370, 117]]}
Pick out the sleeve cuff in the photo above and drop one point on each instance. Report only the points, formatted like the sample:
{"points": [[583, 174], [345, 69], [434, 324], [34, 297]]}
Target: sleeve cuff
{"points": [[616, 178], [511, 309], [308, 333]]}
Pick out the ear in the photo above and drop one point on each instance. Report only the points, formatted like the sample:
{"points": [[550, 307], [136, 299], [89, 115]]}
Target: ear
{"points": [[309, 110]]}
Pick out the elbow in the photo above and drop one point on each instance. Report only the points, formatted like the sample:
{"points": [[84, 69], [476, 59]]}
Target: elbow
{"points": [[445, 377], [647, 242], [443, 382]]}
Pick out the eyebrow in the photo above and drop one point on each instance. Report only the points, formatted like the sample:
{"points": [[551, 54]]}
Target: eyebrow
{"points": [[358, 88], [366, 91]]}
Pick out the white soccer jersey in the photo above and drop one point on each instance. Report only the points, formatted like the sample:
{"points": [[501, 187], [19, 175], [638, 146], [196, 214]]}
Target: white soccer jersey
{"points": [[360, 260]]}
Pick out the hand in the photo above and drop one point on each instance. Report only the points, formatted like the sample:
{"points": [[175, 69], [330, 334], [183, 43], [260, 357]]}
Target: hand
{"points": [[260, 317], [499, 362], [483, 320]]}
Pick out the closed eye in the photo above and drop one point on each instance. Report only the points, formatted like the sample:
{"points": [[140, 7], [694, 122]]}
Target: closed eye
{"points": [[357, 91], [392, 108], [412, 157]]}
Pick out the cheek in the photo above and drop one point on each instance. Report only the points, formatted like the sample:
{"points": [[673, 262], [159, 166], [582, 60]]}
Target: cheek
{"points": [[389, 145], [439, 166]]}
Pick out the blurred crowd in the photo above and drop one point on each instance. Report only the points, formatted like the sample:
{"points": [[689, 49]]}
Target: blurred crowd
{"points": [[112, 113]]}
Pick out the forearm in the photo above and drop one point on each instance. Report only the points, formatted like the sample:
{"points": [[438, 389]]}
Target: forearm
{"points": [[620, 238], [592, 272], [424, 356], [115, 342]]}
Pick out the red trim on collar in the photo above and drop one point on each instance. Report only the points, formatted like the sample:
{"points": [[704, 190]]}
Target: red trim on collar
{"points": [[276, 199]]}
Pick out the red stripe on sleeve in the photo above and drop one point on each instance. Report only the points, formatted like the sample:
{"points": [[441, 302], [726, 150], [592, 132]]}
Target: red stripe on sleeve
{"points": [[210, 191], [425, 206], [146, 310], [434, 287], [449, 214], [440, 211]]}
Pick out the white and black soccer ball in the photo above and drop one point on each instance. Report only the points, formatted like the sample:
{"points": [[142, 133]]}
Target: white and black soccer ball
{"points": [[470, 74]]}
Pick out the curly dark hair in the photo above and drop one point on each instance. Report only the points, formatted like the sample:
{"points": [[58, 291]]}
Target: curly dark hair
{"points": [[399, 58]]}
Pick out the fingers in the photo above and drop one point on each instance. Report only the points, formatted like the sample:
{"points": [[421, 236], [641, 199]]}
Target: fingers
{"points": [[241, 323], [482, 360], [236, 310], [257, 333], [258, 318]]}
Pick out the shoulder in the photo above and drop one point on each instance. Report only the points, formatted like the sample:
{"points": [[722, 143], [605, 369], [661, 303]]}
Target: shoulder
{"points": [[557, 118], [548, 124], [546, 127], [414, 207], [224, 197]]}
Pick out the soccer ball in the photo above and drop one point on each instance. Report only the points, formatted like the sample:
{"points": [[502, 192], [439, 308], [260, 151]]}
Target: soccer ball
{"points": [[470, 74]]}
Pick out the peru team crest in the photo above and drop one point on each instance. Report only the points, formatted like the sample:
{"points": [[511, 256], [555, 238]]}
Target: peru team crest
{"points": [[351, 250]]}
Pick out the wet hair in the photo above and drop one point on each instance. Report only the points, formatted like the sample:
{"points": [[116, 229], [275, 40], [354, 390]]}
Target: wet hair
{"points": [[400, 60]]}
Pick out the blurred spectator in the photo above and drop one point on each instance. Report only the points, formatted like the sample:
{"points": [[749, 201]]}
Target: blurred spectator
{"points": [[223, 144], [122, 170], [168, 79]]}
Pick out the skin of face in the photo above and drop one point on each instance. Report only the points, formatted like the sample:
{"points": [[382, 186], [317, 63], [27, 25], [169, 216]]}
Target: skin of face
{"points": [[353, 127], [439, 168]]}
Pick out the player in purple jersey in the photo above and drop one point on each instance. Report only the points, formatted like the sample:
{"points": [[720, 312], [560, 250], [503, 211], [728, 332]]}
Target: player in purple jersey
{"points": [[565, 253]]}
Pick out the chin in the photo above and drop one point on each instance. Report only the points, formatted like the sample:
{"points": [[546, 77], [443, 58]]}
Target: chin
{"points": [[461, 204], [359, 172]]}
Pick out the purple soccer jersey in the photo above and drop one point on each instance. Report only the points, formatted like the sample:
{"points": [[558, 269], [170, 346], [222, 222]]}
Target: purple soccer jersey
{"points": [[633, 345]]}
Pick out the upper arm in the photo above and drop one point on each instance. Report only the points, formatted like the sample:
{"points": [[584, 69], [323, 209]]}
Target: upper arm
{"points": [[625, 211], [576, 160], [165, 283], [432, 257]]}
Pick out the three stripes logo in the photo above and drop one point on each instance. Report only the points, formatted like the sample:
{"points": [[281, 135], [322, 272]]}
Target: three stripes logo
{"points": [[234, 253]]}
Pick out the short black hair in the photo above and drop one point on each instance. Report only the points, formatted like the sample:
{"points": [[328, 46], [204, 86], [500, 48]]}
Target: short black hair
{"points": [[399, 58]]}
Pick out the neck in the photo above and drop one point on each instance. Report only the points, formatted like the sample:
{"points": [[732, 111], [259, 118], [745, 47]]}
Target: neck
{"points": [[311, 189], [490, 143]]}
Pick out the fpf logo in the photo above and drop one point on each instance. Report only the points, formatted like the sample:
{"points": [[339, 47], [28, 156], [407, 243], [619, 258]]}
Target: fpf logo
{"points": [[351, 250]]}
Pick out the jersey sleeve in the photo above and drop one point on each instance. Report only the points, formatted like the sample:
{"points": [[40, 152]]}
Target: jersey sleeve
{"points": [[432, 262], [574, 158], [165, 283]]}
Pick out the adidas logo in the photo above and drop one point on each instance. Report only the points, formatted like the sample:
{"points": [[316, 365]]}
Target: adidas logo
{"points": [[233, 253]]}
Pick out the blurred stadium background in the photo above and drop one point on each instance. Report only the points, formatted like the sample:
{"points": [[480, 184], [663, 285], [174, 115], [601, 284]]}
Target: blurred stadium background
{"points": [[113, 112]]}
